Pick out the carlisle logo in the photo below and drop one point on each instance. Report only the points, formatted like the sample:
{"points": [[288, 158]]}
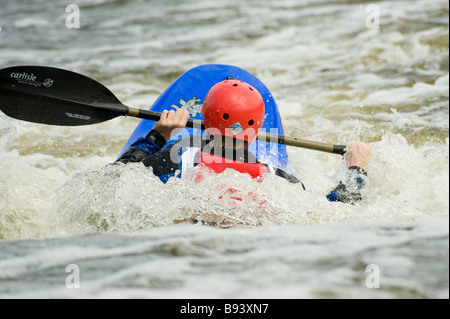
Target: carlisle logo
{"points": [[48, 82], [30, 79], [191, 105]]}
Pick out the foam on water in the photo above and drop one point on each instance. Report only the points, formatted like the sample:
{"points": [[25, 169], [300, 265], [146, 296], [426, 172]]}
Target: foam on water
{"points": [[49, 199]]}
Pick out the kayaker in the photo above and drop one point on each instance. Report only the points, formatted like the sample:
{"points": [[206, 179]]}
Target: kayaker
{"points": [[233, 113]]}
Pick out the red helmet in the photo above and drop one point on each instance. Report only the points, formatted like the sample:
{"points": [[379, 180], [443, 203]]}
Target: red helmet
{"points": [[234, 108]]}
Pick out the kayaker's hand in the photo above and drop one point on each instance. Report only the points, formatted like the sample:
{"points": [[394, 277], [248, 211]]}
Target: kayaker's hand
{"points": [[358, 154], [171, 122]]}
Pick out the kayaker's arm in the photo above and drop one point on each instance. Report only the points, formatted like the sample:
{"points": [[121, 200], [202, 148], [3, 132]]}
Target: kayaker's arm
{"points": [[167, 126], [143, 147], [349, 191], [358, 156]]}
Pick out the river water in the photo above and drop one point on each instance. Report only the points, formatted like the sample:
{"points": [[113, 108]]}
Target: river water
{"points": [[72, 226]]}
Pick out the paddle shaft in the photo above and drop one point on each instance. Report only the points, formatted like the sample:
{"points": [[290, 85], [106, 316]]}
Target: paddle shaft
{"points": [[55, 96], [262, 136]]}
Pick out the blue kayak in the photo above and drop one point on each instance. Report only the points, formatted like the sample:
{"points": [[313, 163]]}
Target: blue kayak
{"points": [[188, 92]]}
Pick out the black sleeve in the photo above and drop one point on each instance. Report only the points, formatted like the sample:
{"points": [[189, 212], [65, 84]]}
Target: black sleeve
{"points": [[164, 162], [132, 154], [349, 191], [161, 161], [143, 147]]}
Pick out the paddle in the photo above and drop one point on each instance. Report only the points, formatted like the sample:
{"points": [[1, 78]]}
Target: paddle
{"points": [[54, 96]]}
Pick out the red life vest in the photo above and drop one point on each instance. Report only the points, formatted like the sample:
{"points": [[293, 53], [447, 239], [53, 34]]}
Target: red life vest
{"points": [[219, 164]]}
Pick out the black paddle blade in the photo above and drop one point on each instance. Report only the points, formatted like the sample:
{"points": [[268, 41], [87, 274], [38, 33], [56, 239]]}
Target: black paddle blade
{"points": [[57, 97]]}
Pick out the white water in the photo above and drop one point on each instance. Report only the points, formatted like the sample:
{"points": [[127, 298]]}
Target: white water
{"points": [[333, 79]]}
